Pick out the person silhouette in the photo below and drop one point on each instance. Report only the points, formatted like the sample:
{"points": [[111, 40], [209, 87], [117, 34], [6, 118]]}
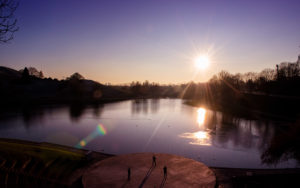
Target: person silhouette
{"points": [[154, 160], [129, 174], [165, 171]]}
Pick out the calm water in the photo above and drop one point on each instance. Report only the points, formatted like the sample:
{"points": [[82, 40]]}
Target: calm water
{"points": [[164, 125]]}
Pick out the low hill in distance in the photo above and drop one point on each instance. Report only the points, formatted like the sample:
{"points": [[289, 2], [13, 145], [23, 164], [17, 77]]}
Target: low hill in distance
{"points": [[19, 87], [9, 74]]}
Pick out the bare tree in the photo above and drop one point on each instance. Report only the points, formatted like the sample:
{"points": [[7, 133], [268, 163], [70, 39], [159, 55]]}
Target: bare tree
{"points": [[268, 74], [8, 24]]}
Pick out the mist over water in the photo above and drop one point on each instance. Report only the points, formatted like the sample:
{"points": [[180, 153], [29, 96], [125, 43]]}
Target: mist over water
{"points": [[153, 125]]}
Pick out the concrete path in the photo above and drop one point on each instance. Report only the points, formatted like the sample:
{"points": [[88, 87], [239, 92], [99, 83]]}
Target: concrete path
{"points": [[143, 172]]}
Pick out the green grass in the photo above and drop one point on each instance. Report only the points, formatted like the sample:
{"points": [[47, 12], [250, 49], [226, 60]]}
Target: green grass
{"points": [[48, 161], [39, 151]]}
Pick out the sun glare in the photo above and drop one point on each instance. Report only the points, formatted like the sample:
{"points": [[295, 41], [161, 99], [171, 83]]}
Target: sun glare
{"points": [[202, 138], [202, 62], [201, 116]]}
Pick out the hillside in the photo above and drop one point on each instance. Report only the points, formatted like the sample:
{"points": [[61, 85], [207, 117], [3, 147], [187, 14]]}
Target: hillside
{"points": [[9, 74], [17, 89]]}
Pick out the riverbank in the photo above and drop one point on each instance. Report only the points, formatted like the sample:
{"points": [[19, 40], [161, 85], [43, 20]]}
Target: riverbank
{"points": [[236, 177], [254, 106], [43, 164], [50, 165]]}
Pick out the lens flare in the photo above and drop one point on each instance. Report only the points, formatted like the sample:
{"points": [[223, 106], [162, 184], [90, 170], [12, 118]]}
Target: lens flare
{"points": [[82, 143], [99, 131]]}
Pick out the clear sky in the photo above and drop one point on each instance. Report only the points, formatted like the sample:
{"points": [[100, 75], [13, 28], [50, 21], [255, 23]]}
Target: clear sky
{"points": [[156, 40]]}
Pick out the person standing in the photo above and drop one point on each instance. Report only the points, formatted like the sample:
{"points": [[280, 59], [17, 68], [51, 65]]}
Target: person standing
{"points": [[154, 160]]}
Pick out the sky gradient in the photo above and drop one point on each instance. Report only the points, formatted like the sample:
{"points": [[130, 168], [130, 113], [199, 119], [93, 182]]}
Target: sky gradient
{"points": [[123, 41]]}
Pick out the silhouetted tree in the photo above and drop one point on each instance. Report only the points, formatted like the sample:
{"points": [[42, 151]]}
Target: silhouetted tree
{"points": [[8, 24], [135, 88], [25, 74], [33, 72], [288, 71], [268, 74], [41, 75], [76, 76]]}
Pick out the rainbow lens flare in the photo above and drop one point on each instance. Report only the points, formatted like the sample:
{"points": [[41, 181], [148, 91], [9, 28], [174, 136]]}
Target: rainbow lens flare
{"points": [[99, 131]]}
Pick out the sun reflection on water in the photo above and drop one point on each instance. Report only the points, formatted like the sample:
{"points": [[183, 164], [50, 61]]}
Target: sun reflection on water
{"points": [[200, 137], [201, 116]]}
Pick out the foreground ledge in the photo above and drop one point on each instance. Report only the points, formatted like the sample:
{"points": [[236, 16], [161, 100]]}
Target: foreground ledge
{"points": [[179, 172]]}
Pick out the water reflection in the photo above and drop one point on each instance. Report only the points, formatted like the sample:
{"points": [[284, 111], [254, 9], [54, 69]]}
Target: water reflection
{"points": [[139, 106], [76, 111], [201, 137], [285, 144], [182, 129], [97, 110], [198, 138], [201, 116], [31, 115], [154, 105], [226, 131]]}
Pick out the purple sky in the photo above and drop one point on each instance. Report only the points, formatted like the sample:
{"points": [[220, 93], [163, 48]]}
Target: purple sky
{"points": [[121, 41]]}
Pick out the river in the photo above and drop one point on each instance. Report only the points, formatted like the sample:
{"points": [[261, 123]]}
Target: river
{"points": [[153, 125]]}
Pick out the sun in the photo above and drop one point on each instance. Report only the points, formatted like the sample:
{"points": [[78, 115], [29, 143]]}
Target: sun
{"points": [[202, 62]]}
